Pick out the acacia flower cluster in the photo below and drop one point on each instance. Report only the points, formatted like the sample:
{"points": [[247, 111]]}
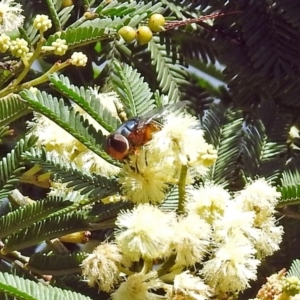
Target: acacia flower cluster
{"points": [[216, 243], [19, 47], [145, 177], [229, 254]]}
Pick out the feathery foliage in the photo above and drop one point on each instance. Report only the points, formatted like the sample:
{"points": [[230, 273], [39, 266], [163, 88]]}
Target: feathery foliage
{"points": [[21, 288], [11, 165], [12, 108], [30, 213], [56, 264]]}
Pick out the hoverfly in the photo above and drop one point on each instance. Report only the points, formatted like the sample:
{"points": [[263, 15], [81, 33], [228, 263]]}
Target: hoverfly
{"points": [[137, 131]]}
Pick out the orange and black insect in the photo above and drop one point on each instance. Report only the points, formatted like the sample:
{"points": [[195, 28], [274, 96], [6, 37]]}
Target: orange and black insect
{"points": [[137, 131]]}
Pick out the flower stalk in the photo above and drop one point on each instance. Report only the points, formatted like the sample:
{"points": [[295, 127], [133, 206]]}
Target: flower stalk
{"points": [[148, 265], [181, 189], [12, 88]]}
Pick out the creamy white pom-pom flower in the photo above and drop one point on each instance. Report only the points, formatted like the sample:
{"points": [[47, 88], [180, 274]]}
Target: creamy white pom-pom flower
{"points": [[234, 222], [232, 266], [10, 15], [181, 138], [145, 232], [138, 287], [145, 176], [259, 196], [101, 267], [208, 201], [188, 286], [269, 236], [191, 239], [51, 136]]}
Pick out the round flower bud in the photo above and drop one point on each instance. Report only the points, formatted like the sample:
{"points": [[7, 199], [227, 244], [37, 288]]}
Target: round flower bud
{"points": [[60, 47], [143, 35], [291, 285], [19, 47], [156, 22], [78, 59], [4, 42], [42, 23], [127, 33]]}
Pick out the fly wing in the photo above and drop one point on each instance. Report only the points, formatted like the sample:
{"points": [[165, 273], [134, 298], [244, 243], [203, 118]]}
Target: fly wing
{"points": [[160, 112]]}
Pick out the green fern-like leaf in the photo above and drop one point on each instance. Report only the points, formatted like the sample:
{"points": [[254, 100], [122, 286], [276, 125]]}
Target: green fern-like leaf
{"points": [[54, 16], [12, 108], [116, 15], [10, 166], [290, 185], [49, 228], [102, 212], [25, 289], [64, 15], [294, 269], [274, 152], [261, 154], [68, 119], [94, 30], [91, 185], [4, 132], [81, 36], [86, 100], [223, 128], [174, 8], [56, 264], [272, 28], [170, 202], [131, 9], [133, 91], [30, 213], [196, 46], [169, 75], [76, 283]]}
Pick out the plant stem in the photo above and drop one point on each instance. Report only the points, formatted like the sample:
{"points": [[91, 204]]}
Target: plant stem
{"points": [[56, 67], [166, 266], [147, 266], [124, 270], [181, 188]]}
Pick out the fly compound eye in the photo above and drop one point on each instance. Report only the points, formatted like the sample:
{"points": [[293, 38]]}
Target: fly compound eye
{"points": [[117, 146]]}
